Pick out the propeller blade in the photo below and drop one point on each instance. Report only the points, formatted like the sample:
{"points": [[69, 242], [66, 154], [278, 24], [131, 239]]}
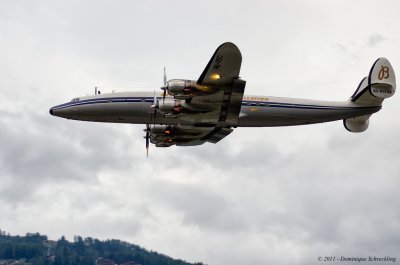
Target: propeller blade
{"points": [[165, 87], [165, 77], [163, 96], [147, 140], [154, 108], [154, 114]]}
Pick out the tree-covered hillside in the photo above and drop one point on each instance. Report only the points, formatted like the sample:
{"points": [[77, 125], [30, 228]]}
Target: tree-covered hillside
{"points": [[36, 249]]}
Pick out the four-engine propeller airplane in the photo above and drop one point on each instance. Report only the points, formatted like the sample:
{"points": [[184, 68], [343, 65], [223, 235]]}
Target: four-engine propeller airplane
{"points": [[194, 112]]}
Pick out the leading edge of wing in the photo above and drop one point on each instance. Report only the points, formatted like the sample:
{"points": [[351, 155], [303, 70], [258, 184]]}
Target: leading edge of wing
{"points": [[223, 66]]}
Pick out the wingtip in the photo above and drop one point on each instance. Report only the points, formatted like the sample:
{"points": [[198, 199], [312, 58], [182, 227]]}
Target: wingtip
{"points": [[227, 44]]}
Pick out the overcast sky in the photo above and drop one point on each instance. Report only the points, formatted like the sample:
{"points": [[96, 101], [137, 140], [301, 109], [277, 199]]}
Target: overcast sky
{"points": [[261, 196]]}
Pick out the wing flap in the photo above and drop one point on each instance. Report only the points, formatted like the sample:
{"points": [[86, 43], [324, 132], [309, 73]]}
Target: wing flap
{"points": [[217, 134], [232, 103]]}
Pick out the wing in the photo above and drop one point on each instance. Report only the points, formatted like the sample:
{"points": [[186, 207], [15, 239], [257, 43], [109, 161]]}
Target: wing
{"points": [[210, 113], [222, 74], [223, 67]]}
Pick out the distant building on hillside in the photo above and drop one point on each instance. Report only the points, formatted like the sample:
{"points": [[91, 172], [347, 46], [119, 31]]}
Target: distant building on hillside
{"points": [[130, 263], [104, 261]]}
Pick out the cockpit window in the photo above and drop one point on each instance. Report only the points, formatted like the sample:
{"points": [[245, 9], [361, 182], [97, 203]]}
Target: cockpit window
{"points": [[75, 99]]}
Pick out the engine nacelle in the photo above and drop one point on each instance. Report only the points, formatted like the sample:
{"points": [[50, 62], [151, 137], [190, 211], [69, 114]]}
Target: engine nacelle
{"points": [[182, 89], [178, 130], [165, 136], [158, 129], [162, 132], [163, 144], [170, 105], [178, 86]]}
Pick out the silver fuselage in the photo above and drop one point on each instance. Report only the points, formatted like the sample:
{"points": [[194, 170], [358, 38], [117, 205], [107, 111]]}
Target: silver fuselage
{"points": [[256, 111]]}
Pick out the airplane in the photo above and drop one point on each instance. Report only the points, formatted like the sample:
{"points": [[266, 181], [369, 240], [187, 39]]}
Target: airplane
{"points": [[192, 112]]}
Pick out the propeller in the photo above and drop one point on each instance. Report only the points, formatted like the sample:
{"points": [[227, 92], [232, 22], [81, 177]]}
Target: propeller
{"points": [[165, 77], [153, 113], [165, 87], [147, 137], [154, 108]]}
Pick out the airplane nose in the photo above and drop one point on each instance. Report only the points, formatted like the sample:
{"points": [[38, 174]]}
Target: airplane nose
{"points": [[51, 111]]}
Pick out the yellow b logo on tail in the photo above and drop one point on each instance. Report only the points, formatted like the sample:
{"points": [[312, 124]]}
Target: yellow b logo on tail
{"points": [[383, 73]]}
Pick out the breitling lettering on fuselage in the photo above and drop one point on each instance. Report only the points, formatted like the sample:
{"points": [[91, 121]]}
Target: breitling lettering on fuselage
{"points": [[256, 98]]}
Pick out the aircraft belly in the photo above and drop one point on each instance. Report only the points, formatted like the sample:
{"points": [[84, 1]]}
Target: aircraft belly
{"points": [[270, 116]]}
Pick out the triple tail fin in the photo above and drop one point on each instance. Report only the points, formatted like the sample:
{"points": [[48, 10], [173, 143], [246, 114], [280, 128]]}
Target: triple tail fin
{"points": [[372, 90], [378, 85]]}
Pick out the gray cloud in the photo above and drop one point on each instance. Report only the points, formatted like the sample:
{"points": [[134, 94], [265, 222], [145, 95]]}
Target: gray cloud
{"points": [[375, 39]]}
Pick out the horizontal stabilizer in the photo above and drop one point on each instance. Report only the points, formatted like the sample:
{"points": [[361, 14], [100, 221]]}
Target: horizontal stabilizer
{"points": [[357, 124]]}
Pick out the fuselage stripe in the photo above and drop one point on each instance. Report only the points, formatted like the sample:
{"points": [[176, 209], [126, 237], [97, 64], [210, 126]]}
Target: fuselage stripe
{"points": [[263, 104]]}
